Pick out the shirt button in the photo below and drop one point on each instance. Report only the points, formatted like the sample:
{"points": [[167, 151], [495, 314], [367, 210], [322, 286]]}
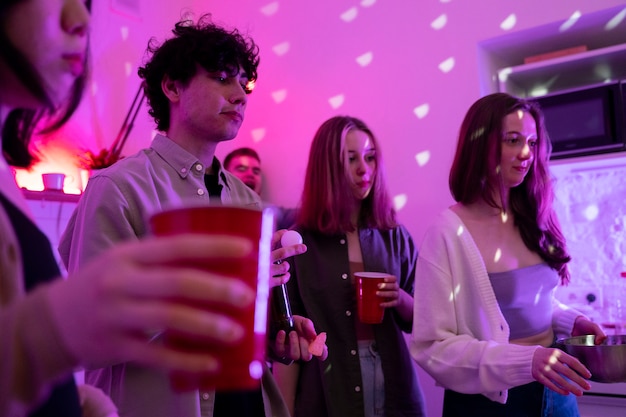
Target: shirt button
{"points": [[183, 170], [198, 167], [342, 241], [353, 352], [348, 313], [200, 191], [344, 276], [205, 395], [357, 389]]}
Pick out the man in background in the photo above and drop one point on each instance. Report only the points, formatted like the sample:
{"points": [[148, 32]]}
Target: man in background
{"points": [[245, 164]]}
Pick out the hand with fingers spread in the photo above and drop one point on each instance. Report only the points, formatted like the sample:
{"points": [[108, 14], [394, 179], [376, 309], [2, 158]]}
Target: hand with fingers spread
{"points": [[560, 372], [107, 311]]}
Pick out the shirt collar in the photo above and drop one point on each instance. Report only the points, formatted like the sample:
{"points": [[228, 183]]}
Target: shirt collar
{"points": [[182, 161]]}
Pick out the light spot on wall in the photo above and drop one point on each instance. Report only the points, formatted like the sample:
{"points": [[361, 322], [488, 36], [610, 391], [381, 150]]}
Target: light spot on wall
{"points": [[422, 110], [509, 22], [349, 15], [124, 32], [399, 201], [422, 158], [365, 59], [440, 22], [279, 96], [498, 255], [504, 73], [570, 22], [128, 68], [94, 88], [281, 49], [258, 134], [591, 212], [447, 65], [336, 101], [613, 23], [460, 231], [368, 3], [270, 9]]}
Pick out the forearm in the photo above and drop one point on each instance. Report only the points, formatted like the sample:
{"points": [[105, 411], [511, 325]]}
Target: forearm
{"points": [[404, 309], [36, 356]]}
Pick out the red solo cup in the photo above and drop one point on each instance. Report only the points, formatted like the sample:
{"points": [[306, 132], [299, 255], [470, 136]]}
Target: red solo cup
{"points": [[242, 364], [368, 303]]}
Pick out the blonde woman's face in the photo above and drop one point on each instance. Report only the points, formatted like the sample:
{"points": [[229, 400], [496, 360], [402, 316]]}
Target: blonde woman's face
{"points": [[361, 162], [52, 35]]}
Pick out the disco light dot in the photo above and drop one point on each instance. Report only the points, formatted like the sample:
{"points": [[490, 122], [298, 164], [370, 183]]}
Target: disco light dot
{"points": [[279, 96], [447, 65], [399, 202], [270, 9], [421, 111], [439, 22], [365, 59], [509, 22], [258, 134], [349, 15], [281, 49], [336, 101], [422, 158]]}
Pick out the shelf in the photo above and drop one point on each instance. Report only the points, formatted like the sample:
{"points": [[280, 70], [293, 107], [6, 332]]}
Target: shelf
{"points": [[50, 195], [603, 33], [566, 72]]}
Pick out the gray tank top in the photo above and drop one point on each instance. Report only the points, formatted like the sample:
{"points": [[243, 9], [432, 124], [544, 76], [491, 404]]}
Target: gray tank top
{"points": [[525, 298]]}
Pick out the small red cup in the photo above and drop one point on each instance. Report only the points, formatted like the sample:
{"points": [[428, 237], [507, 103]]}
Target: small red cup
{"points": [[368, 303], [241, 364]]}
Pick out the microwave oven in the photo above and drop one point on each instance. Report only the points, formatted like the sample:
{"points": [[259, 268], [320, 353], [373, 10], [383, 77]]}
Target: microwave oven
{"points": [[586, 121]]}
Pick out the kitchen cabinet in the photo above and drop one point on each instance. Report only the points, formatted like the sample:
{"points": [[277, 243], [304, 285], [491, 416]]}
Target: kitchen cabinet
{"points": [[603, 33]]}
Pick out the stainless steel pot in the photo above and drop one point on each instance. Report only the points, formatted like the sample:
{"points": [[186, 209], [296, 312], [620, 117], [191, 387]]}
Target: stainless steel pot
{"points": [[606, 361]]}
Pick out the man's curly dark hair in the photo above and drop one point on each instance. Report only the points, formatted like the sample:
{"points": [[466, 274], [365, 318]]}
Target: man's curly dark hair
{"points": [[203, 43]]}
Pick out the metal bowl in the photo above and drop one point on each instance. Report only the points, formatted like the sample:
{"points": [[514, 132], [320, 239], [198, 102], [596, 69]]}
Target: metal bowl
{"points": [[606, 361]]}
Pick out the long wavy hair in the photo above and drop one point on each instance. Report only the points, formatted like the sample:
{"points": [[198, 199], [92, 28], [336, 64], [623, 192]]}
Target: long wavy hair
{"points": [[203, 43], [20, 123], [327, 201], [476, 163]]}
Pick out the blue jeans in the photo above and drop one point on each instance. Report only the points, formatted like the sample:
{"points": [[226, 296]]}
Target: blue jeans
{"points": [[530, 400], [373, 380]]}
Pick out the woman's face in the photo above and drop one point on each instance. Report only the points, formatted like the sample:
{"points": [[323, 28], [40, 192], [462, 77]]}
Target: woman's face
{"points": [[519, 144], [52, 36], [362, 162]]}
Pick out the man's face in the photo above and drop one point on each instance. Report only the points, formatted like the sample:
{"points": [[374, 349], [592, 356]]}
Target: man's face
{"points": [[248, 170], [210, 106]]}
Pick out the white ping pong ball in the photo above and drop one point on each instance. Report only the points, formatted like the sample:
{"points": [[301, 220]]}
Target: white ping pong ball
{"points": [[291, 237]]}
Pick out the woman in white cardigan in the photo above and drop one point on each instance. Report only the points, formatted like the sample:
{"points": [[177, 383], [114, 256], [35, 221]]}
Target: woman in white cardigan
{"points": [[485, 313]]}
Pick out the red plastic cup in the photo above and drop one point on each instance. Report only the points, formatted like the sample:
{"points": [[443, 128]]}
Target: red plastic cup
{"points": [[241, 364], [368, 303]]}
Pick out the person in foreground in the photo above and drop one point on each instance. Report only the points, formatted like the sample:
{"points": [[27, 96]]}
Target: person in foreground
{"points": [[196, 83], [486, 318], [49, 326], [351, 227]]}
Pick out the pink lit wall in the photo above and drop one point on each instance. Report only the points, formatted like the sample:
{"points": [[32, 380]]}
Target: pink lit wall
{"points": [[408, 68]]}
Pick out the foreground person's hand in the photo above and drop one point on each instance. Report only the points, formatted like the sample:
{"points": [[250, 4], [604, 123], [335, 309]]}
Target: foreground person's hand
{"points": [[107, 312]]}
